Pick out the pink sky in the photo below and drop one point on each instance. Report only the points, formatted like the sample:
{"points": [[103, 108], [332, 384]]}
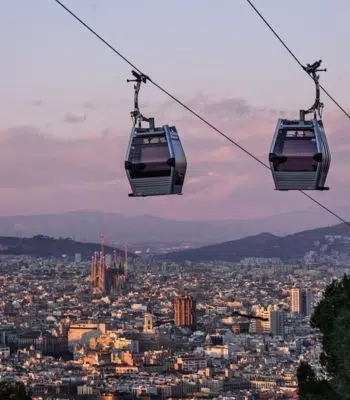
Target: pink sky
{"points": [[65, 118], [40, 173]]}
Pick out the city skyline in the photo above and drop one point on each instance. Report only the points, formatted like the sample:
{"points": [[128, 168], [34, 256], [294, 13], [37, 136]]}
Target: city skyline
{"points": [[241, 325], [67, 107], [237, 289]]}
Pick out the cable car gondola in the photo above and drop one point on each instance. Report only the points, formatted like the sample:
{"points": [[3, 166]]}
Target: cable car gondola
{"points": [[299, 156], [155, 160]]}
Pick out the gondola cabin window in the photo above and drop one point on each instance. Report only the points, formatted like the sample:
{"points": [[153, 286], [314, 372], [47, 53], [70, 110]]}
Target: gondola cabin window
{"points": [[299, 147]]}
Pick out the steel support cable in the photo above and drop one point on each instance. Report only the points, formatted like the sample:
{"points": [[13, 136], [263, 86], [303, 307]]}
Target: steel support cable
{"points": [[189, 108], [283, 43]]}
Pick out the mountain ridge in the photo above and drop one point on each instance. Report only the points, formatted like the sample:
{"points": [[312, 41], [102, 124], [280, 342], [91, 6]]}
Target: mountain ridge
{"points": [[87, 225], [264, 244], [267, 245], [45, 246]]}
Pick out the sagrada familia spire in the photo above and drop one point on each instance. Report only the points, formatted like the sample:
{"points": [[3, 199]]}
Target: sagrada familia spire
{"points": [[108, 278]]}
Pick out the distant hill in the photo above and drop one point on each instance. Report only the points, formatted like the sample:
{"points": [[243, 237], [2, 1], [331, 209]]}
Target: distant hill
{"points": [[45, 246], [267, 245], [86, 226]]}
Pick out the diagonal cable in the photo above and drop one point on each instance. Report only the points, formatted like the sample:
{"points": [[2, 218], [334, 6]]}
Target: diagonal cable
{"points": [[283, 43], [204, 120]]}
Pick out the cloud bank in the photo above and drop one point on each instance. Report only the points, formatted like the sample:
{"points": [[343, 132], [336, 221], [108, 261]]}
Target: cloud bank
{"points": [[41, 173]]}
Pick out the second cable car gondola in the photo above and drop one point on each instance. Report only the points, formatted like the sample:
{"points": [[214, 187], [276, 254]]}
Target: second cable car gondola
{"points": [[155, 160], [299, 156]]}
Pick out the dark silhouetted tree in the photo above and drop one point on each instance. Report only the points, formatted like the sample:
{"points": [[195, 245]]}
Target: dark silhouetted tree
{"points": [[332, 318], [311, 388], [13, 391]]}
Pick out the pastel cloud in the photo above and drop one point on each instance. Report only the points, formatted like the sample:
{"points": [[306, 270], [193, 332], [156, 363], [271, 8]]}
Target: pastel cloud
{"points": [[41, 173], [70, 118], [36, 103]]}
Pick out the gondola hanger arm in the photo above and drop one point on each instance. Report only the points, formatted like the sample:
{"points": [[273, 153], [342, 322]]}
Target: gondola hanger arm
{"points": [[136, 115], [317, 107]]}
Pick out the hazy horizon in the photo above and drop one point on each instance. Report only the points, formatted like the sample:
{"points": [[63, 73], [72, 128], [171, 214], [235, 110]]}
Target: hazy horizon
{"points": [[176, 219], [65, 123]]}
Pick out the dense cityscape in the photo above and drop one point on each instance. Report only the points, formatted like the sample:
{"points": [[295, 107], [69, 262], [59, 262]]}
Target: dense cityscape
{"points": [[119, 328]]}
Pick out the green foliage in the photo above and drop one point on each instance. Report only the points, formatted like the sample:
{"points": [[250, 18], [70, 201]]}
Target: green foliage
{"points": [[332, 318], [13, 391], [311, 388]]}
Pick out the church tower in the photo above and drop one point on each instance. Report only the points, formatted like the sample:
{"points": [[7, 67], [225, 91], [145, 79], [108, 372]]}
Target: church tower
{"points": [[148, 322]]}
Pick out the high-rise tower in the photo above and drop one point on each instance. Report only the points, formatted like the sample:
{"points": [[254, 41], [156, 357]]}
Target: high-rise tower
{"points": [[295, 300], [277, 318], [301, 301], [185, 311]]}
